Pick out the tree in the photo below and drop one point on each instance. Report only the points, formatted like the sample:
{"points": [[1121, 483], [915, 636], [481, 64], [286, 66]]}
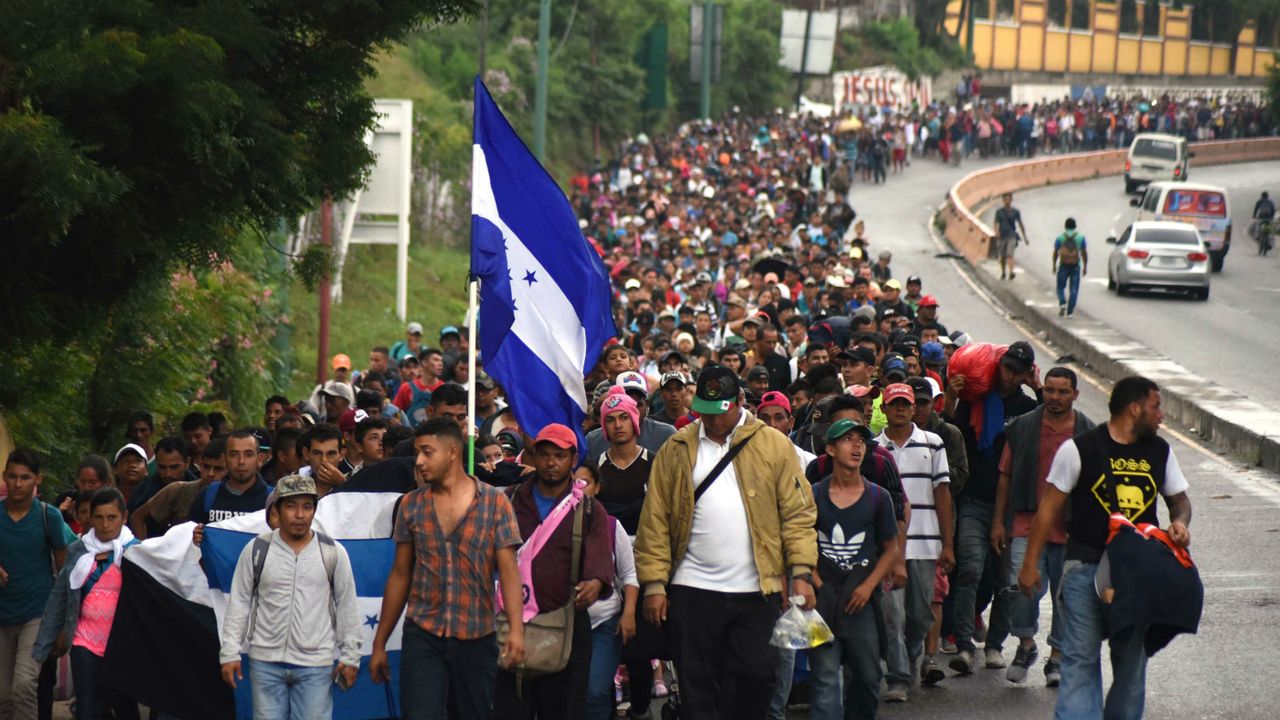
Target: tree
{"points": [[137, 137]]}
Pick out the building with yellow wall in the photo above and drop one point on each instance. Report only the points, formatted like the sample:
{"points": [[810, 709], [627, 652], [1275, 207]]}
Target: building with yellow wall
{"points": [[1128, 37]]}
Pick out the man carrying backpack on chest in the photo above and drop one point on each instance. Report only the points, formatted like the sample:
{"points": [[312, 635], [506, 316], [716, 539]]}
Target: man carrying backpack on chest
{"points": [[1070, 261], [293, 598]]}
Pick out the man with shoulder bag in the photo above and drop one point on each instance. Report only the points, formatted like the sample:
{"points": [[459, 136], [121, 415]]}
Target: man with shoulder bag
{"points": [[727, 528], [566, 564]]}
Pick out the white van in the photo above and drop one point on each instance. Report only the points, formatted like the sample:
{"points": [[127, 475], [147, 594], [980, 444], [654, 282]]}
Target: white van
{"points": [[1153, 157], [1204, 206]]}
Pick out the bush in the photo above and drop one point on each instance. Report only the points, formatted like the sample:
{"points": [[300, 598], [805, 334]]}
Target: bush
{"points": [[199, 339]]}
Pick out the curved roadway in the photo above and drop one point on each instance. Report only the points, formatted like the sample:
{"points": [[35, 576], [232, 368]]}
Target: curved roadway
{"points": [[1232, 339]]}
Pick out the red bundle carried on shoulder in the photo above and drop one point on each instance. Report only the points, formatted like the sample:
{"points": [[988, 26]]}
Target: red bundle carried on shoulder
{"points": [[978, 363]]}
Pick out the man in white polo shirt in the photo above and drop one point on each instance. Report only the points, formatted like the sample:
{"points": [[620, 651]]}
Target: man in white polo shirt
{"points": [[921, 457], [728, 527]]}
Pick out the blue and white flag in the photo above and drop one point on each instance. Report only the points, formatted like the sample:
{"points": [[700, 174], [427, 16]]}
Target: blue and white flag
{"points": [[166, 636], [544, 293]]}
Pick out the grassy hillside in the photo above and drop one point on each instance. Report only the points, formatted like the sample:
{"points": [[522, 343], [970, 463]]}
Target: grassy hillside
{"points": [[366, 316]]}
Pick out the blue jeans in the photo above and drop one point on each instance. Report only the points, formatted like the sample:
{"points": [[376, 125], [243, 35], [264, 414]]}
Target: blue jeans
{"points": [[782, 689], [1025, 612], [973, 552], [1083, 630], [857, 646], [606, 651], [439, 673], [1068, 274], [282, 691], [908, 615]]}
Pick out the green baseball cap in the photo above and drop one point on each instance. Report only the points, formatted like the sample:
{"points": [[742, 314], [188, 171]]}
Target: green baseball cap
{"points": [[840, 428], [717, 391]]}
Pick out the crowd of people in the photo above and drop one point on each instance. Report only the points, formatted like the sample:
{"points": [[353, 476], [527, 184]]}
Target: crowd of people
{"points": [[778, 420], [969, 123]]}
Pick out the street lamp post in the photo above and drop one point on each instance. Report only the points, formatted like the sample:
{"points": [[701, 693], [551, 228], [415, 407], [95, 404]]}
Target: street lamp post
{"points": [[540, 93]]}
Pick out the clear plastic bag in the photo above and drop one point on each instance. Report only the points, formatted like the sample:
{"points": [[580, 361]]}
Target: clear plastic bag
{"points": [[799, 629]]}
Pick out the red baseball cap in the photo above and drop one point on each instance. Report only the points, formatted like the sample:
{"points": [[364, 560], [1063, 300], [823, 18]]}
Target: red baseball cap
{"points": [[899, 391], [560, 436], [774, 398], [928, 301]]}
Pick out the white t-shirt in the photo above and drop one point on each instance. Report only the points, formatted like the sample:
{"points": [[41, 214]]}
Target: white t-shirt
{"points": [[1064, 473], [719, 556], [922, 465]]}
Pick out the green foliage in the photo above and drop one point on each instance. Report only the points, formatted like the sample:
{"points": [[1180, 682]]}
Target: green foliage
{"points": [[197, 338], [136, 137], [366, 316], [751, 78], [899, 42]]}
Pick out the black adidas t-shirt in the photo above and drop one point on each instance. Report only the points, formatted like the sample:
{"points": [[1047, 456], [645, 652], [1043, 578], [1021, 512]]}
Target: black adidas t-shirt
{"points": [[227, 503], [851, 537]]}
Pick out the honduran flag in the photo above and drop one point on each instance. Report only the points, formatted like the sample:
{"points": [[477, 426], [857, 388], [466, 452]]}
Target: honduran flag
{"points": [[545, 310], [163, 649]]}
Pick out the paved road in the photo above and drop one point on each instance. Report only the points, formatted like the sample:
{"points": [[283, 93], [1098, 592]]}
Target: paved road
{"points": [[1228, 339], [1220, 673]]}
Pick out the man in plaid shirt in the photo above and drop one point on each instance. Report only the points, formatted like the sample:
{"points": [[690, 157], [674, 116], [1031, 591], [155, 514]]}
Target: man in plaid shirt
{"points": [[450, 533]]}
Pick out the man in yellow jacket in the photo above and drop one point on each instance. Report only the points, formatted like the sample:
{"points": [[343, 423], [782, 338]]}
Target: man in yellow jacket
{"points": [[728, 518]]}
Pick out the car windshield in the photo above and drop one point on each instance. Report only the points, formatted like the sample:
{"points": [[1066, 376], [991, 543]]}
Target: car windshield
{"points": [[1162, 149], [1165, 236], [1195, 202]]}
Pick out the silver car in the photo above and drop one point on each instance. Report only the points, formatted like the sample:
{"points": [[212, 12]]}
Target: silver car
{"points": [[1152, 254]]}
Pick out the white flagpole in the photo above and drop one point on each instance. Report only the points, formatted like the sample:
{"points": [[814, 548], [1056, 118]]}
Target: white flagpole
{"points": [[473, 317]]}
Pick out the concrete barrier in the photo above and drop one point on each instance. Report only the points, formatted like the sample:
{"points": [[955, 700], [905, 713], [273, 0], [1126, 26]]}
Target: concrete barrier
{"points": [[1239, 425], [972, 238]]}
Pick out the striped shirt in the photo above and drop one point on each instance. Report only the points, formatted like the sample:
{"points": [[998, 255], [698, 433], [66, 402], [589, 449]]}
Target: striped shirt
{"points": [[922, 464]]}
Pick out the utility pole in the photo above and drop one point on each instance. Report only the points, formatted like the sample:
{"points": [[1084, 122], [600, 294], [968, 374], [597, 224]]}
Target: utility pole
{"points": [[484, 35], [322, 341], [969, 29], [708, 55], [804, 56], [540, 94]]}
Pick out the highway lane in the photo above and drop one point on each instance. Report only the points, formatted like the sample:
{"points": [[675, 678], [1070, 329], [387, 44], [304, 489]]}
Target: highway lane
{"points": [[1220, 673], [1232, 338]]}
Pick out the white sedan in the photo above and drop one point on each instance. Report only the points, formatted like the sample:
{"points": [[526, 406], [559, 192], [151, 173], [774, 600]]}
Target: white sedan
{"points": [[1168, 255]]}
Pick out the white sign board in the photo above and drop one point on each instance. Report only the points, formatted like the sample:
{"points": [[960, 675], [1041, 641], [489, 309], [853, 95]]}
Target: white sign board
{"points": [[881, 86], [822, 41], [379, 214]]}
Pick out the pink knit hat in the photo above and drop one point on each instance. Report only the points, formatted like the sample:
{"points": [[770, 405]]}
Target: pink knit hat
{"points": [[617, 400]]}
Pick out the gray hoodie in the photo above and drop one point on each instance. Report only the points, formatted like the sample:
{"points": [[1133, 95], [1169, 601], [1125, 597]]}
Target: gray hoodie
{"points": [[296, 620]]}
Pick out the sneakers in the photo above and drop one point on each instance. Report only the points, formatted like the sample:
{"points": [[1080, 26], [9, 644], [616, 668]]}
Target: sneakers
{"points": [[948, 645], [1070, 315], [1062, 311], [895, 693], [1022, 661], [930, 673], [994, 659], [1052, 672], [962, 663], [660, 689]]}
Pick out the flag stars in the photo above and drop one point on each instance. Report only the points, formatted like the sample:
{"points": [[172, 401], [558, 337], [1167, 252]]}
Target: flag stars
{"points": [[530, 277], [371, 621]]}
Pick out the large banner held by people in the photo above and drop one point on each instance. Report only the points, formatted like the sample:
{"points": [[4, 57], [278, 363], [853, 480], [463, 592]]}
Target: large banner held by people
{"points": [[164, 644]]}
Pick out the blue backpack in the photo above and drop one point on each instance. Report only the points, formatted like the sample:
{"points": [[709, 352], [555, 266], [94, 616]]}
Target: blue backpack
{"points": [[418, 404]]}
